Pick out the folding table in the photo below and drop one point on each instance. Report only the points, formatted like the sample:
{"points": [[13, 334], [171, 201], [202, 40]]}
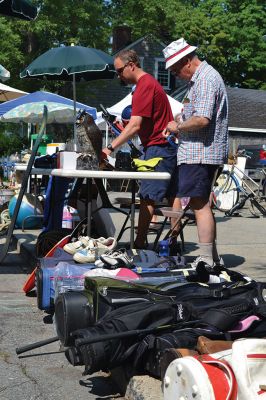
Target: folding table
{"points": [[93, 174]]}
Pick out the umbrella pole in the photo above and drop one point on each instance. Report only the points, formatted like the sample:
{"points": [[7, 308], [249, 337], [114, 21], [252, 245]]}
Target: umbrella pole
{"points": [[75, 111]]}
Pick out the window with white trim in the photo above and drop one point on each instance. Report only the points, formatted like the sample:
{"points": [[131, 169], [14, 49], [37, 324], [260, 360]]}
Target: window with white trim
{"points": [[161, 74]]}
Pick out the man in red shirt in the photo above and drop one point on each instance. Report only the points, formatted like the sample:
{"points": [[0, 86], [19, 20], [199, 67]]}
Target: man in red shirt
{"points": [[151, 112]]}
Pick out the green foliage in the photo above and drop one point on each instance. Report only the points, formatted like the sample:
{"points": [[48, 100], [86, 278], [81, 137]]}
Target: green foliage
{"points": [[11, 143], [229, 34]]}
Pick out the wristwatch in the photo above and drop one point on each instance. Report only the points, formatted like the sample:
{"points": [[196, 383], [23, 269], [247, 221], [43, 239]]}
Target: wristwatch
{"points": [[110, 147]]}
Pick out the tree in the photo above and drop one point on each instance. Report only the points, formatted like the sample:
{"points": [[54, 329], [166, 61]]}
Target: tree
{"points": [[229, 33], [60, 22]]}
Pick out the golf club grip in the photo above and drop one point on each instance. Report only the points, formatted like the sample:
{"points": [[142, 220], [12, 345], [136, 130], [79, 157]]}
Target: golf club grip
{"points": [[28, 347]]}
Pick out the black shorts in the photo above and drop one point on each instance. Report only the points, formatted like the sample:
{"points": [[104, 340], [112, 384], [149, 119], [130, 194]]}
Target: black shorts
{"points": [[196, 180]]}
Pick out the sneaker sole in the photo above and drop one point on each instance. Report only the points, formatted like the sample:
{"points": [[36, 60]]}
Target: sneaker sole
{"points": [[83, 259]]}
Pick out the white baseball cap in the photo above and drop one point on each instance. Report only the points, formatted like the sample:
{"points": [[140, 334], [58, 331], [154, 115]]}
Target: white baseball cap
{"points": [[176, 50]]}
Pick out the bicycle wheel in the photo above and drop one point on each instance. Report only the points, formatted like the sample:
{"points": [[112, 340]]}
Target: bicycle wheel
{"points": [[256, 208], [225, 193]]}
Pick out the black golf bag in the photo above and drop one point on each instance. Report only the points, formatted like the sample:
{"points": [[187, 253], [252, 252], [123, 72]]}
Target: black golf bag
{"points": [[213, 309]]}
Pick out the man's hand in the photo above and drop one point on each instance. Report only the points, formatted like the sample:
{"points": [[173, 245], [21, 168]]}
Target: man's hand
{"points": [[172, 128], [105, 152]]}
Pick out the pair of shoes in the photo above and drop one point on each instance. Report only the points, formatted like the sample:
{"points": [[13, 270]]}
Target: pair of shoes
{"points": [[115, 259], [95, 247], [79, 244]]}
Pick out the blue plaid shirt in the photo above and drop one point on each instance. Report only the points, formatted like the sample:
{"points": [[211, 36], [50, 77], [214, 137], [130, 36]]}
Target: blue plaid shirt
{"points": [[206, 97]]}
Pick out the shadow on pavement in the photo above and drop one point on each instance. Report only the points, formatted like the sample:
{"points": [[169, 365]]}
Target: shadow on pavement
{"points": [[96, 387]]}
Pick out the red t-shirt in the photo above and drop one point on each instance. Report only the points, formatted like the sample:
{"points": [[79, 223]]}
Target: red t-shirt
{"points": [[150, 102]]}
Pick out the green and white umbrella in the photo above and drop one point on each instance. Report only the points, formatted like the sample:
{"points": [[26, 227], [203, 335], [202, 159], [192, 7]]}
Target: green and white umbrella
{"points": [[22, 9], [71, 63], [4, 74]]}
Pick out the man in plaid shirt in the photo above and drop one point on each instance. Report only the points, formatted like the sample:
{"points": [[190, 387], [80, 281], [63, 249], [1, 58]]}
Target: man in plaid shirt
{"points": [[202, 132]]}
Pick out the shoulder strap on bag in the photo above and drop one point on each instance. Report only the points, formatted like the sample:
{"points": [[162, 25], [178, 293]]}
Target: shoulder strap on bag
{"points": [[207, 359]]}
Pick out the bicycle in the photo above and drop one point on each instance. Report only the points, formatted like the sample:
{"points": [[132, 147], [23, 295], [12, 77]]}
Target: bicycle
{"points": [[233, 188]]}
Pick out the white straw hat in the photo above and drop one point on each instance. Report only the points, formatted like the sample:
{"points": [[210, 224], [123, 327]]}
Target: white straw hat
{"points": [[176, 50]]}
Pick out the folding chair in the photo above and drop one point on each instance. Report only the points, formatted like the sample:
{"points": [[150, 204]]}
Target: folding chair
{"points": [[183, 217]]}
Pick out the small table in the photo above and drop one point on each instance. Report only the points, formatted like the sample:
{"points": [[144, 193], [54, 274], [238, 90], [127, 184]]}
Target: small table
{"points": [[132, 175]]}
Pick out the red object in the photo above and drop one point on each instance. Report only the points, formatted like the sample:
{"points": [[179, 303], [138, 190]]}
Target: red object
{"points": [[262, 154], [30, 282], [150, 101], [221, 377], [178, 52]]}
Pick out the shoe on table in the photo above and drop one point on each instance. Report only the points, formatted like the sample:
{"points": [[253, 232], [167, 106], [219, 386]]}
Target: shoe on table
{"points": [[79, 244], [90, 253], [104, 245], [87, 254], [116, 259]]}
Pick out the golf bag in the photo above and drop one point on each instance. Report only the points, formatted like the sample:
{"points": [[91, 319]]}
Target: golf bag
{"points": [[104, 355], [212, 309]]}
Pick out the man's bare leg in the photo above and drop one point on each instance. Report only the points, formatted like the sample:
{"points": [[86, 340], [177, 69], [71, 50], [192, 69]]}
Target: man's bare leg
{"points": [[145, 215]]}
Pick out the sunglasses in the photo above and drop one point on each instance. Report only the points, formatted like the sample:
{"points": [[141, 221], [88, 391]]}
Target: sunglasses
{"points": [[119, 71]]}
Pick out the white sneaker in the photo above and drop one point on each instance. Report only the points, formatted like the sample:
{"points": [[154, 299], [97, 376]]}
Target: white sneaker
{"points": [[104, 245], [117, 258], [95, 247], [195, 263], [87, 254], [80, 244]]}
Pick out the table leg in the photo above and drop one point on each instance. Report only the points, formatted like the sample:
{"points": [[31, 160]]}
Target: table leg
{"points": [[89, 205], [132, 213]]}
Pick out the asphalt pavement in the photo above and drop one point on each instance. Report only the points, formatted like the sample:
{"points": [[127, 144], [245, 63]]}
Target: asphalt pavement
{"points": [[44, 373]]}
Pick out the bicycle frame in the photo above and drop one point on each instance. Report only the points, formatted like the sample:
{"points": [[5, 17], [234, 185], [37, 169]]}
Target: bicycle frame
{"points": [[238, 182], [243, 180]]}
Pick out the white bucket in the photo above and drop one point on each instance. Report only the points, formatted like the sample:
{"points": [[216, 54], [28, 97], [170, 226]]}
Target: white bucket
{"points": [[6, 195]]}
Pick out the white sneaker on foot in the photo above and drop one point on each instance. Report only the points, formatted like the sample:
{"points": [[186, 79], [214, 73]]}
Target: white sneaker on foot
{"points": [[199, 259]]}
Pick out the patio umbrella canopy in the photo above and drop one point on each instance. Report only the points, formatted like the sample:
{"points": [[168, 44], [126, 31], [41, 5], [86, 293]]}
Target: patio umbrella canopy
{"points": [[74, 63], [62, 63], [29, 109], [9, 93], [4, 74], [22, 9]]}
